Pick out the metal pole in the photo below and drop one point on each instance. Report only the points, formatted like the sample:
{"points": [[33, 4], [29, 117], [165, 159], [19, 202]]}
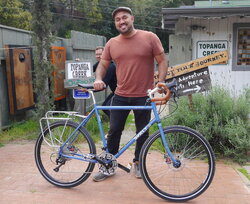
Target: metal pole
{"points": [[210, 2]]}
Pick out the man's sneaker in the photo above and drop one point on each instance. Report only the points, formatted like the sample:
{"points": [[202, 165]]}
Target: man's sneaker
{"points": [[137, 170], [100, 177]]}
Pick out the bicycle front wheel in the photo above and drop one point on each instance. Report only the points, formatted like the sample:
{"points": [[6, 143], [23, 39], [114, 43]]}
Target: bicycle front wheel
{"points": [[180, 182], [60, 170]]}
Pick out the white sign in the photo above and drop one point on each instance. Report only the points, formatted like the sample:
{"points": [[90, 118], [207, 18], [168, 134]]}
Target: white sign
{"points": [[78, 70], [205, 48]]}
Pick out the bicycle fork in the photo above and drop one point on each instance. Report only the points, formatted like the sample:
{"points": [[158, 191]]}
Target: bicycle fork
{"points": [[176, 163]]}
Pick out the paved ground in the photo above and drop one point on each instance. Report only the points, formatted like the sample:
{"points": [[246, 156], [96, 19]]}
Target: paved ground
{"points": [[20, 182]]}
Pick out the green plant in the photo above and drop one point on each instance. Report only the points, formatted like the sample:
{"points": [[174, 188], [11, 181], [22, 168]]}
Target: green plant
{"points": [[245, 173], [222, 119], [42, 39], [27, 130], [93, 128]]}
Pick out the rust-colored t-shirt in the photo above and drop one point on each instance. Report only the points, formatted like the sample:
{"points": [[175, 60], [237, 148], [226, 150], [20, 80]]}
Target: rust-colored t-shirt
{"points": [[134, 59]]}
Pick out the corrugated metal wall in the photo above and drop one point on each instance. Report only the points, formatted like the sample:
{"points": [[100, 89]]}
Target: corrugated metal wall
{"points": [[81, 45]]}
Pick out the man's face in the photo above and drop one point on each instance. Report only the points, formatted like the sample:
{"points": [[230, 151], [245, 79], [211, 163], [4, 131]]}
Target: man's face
{"points": [[124, 22], [98, 54]]}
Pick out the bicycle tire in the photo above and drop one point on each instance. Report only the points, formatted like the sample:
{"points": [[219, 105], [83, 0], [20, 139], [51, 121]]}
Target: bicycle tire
{"points": [[73, 172], [195, 173]]}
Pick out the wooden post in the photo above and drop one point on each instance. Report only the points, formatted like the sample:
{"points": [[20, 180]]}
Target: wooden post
{"points": [[190, 101]]}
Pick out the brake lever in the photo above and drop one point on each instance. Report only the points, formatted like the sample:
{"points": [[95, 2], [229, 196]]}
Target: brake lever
{"points": [[175, 94]]}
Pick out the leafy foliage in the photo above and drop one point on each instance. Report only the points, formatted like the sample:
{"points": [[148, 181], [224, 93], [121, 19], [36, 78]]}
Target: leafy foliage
{"points": [[41, 25], [27, 130], [12, 14], [95, 16], [89, 16], [222, 119]]}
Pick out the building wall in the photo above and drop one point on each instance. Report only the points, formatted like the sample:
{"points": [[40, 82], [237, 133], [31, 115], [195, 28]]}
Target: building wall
{"points": [[224, 3], [180, 49], [81, 45], [217, 29]]}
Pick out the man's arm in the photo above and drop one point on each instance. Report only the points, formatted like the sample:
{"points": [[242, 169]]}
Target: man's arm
{"points": [[100, 74], [162, 66]]}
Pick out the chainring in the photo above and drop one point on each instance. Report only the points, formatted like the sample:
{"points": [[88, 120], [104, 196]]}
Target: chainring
{"points": [[112, 163]]}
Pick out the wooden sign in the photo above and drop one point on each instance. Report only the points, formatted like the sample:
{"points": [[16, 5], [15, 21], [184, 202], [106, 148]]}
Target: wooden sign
{"points": [[193, 82], [196, 64], [19, 76], [58, 58]]}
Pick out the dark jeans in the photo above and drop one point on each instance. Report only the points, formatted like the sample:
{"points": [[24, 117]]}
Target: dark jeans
{"points": [[118, 119]]}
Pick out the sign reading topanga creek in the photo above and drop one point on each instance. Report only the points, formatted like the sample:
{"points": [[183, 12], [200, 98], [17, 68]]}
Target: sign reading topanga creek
{"points": [[78, 70], [78, 73], [205, 48]]}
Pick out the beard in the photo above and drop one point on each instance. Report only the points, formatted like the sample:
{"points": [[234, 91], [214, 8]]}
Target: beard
{"points": [[126, 31]]}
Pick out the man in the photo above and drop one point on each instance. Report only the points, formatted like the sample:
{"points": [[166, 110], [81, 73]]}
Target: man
{"points": [[134, 52], [109, 79]]}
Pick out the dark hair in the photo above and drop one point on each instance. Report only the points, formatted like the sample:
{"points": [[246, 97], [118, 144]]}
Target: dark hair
{"points": [[99, 48]]}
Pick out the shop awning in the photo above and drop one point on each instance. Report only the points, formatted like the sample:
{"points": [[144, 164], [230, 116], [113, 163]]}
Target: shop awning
{"points": [[171, 15]]}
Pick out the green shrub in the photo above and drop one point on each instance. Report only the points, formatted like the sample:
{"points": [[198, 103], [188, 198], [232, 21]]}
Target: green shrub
{"points": [[30, 129], [93, 128], [222, 119], [27, 130]]}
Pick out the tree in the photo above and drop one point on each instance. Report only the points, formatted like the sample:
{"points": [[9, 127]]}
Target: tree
{"points": [[41, 26], [80, 15], [13, 14]]}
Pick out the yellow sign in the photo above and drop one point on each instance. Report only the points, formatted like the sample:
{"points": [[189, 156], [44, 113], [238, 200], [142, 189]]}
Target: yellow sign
{"points": [[196, 64]]}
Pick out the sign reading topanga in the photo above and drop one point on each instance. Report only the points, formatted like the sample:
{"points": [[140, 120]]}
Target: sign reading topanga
{"points": [[197, 64], [78, 73], [78, 70], [205, 48]]}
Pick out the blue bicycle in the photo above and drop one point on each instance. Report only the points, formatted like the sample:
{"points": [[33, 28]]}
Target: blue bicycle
{"points": [[176, 163]]}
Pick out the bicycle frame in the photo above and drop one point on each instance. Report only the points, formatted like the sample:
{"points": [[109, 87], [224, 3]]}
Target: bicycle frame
{"points": [[95, 111]]}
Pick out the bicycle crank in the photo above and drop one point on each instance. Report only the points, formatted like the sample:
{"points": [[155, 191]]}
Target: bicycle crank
{"points": [[107, 163]]}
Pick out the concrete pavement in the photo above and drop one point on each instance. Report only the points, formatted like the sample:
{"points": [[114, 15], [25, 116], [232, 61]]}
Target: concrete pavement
{"points": [[20, 182]]}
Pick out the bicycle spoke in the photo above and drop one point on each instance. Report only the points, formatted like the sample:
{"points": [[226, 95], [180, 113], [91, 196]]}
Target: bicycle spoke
{"points": [[183, 182], [58, 169]]}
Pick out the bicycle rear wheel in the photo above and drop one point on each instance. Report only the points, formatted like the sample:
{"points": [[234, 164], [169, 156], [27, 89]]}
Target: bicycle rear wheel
{"points": [[59, 170], [187, 181]]}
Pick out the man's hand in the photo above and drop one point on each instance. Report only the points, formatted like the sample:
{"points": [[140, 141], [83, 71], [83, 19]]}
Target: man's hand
{"points": [[160, 84], [99, 85]]}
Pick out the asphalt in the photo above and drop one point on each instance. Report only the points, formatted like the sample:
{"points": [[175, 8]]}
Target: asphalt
{"points": [[20, 182]]}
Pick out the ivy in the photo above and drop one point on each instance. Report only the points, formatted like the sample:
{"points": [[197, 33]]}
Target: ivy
{"points": [[42, 39]]}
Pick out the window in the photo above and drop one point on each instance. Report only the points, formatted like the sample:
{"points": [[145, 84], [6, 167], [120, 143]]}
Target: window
{"points": [[241, 47]]}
